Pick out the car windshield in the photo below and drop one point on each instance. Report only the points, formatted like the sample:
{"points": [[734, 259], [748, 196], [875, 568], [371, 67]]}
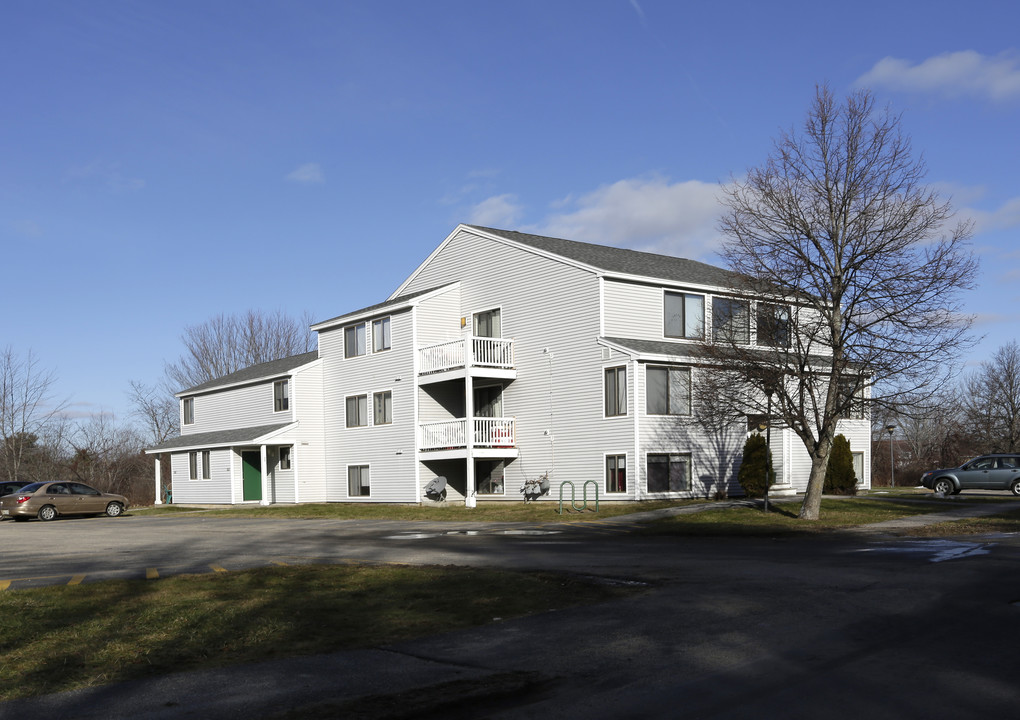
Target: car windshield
{"points": [[31, 487]]}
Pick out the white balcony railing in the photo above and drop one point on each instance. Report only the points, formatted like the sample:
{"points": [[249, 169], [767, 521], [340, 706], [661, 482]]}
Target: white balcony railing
{"points": [[450, 435], [470, 352]]}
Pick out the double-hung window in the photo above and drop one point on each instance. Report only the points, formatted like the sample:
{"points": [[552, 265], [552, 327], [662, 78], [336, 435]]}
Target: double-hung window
{"points": [[616, 391], [683, 315], [382, 403], [189, 411], [285, 458], [616, 473], [358, 481], [281, 396], [851, 399], [773, 325], [668, 472], [667, 390], [354, 340], [731, 320], [357, 411], [193, 465], [381, 334], [206, 464]]}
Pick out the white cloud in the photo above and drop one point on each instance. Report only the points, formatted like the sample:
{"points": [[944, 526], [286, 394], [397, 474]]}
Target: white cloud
{"points": [[962, 73], [1004, 217], [501, 211], [308, 174], [648, 214]]}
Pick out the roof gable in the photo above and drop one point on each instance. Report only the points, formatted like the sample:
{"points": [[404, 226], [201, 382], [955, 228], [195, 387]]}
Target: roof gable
{"points": [[262, 371]]}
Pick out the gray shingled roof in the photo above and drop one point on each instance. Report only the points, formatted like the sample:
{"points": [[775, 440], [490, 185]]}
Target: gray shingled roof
{"points": [[620, 260], [273, 368], [238, 436], [394, 302]]}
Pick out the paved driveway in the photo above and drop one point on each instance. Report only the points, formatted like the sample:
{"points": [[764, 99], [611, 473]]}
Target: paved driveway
{"points": [[846, 627]]}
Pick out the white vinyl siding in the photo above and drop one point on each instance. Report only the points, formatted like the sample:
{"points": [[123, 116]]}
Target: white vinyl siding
{"points": [[246, 406], [389, 449], [557, 397]]}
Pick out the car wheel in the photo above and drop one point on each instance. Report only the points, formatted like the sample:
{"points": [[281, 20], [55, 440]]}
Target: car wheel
{"points": [[47, 512], [114, 509], [943, 486], [1015, 487]]}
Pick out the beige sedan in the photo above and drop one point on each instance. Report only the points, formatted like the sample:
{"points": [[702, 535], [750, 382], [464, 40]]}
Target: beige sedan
{"points": [[47, 500]]}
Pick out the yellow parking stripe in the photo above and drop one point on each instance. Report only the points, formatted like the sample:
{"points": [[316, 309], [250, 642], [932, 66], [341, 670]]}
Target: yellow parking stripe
{"points": [[4, 584], [151, 573], [76, 580], [217, 568], [278, 562]]}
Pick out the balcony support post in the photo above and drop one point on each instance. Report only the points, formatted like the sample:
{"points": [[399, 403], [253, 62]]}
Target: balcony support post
{"points": [[469, 439]]}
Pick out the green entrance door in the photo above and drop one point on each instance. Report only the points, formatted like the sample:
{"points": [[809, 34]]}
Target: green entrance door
{"points": [[251, 476]]}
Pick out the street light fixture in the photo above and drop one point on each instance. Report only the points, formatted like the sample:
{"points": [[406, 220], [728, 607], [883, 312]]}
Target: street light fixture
{"points": [[892, 465]]}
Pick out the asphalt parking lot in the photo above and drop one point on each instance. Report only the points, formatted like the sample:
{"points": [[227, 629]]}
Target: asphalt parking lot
{"points": [[853, 624]]}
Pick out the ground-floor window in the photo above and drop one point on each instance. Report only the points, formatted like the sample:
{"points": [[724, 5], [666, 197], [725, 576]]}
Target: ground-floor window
{"points": [[489, 477], [859, 466], [285, 458], [193, 466], [669, 472], [616, 473], [357, 481], [206, 464]]}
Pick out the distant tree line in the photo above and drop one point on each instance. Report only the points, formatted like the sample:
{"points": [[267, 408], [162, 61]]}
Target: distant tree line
{"points": [[41, 441], [979, 415]]}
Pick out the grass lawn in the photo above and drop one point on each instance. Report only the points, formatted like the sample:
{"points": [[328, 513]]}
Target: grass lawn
{"points": [[454, 512], [61, 638]]}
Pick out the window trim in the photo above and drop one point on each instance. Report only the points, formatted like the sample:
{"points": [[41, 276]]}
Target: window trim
{"points": [[669, 369], [281, 398], [615, 370], [498, 311], [347, 346], [762, 337], [665, 316], [387, 334], [347, 411], [375, 408], [365, 468], [668, 454], [605, 472], [743, 335]]}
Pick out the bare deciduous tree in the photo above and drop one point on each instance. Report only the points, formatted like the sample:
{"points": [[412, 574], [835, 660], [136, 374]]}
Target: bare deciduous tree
{"points": [[838, 227], [228, 343], [157, 409], [27, 408], [991, 401]]}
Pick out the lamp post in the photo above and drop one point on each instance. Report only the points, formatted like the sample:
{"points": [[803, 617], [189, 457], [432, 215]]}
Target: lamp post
{"points": [[892, 468]]}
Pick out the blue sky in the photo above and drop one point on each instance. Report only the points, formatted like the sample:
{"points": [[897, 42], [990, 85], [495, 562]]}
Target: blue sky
{"points": [[164, 162]]}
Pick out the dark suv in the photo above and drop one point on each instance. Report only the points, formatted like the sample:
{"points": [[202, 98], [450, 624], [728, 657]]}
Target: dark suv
{"points": [[988, 472]]}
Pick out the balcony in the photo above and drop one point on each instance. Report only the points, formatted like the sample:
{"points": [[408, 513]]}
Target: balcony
{"points": [[493, 437], [478, 356]]}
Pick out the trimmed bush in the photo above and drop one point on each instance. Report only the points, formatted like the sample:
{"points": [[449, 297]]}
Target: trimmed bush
{"points": [[751, 475], [839, 476]]}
